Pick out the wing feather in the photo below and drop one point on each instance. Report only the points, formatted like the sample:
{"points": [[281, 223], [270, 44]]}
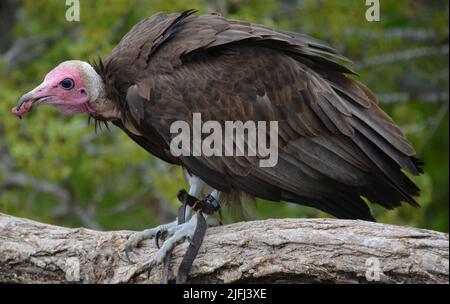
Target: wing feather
{"points": [[336, 144]]}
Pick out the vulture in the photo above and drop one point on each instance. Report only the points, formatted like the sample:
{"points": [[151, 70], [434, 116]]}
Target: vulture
{"points": [[336, 149]]}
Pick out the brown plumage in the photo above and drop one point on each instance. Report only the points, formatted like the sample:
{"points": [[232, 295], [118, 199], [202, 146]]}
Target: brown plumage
{"points": [[336, 144]]}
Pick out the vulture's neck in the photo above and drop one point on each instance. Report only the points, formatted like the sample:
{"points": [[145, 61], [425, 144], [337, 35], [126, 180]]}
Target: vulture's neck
{"points": [[104, 107]]}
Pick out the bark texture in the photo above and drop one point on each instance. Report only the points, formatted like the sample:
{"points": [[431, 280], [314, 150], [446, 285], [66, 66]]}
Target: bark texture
{"points": [[269, 251]]}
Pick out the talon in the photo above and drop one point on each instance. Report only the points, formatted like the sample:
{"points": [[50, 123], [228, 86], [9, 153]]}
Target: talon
{"points": [[160, 235], [127, 255], [128, 249], [150, 268], [157, 236]]}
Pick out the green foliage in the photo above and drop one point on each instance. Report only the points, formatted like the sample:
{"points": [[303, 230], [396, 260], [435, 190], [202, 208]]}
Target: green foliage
{"points": [[114, 184]]}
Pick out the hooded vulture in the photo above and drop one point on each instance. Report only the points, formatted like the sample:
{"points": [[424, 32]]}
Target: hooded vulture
{"points": [[335, 145]]}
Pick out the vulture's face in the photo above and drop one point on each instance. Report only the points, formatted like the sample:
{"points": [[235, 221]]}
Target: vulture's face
{"points": [[69, 88]]}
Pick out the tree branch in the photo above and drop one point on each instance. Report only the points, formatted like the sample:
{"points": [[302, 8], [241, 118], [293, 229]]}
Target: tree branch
{"points": [[289, 250]]}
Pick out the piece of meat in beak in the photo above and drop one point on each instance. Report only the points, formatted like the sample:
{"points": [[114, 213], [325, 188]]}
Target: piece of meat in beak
{"points": [[27, 102]]}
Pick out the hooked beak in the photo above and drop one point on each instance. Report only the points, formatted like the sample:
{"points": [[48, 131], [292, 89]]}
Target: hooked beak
{"points": [[27, 102]]}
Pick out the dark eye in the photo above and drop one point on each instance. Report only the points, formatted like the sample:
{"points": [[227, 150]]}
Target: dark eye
{"points": [[67, 84]]}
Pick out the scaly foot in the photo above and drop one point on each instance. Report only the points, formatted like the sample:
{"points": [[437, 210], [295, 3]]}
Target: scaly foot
{"points": [[185, 227], [134, 240]]}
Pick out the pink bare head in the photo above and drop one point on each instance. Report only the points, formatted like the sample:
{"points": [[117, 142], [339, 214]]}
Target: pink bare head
{"points": [[70, 87]]}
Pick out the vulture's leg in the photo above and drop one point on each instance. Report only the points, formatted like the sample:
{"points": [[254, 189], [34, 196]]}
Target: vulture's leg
{"points": [[193, 230], [196, 185]]}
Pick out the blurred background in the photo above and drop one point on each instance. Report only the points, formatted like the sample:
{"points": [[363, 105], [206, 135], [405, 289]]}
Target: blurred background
{"points": [[58, 170]]}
